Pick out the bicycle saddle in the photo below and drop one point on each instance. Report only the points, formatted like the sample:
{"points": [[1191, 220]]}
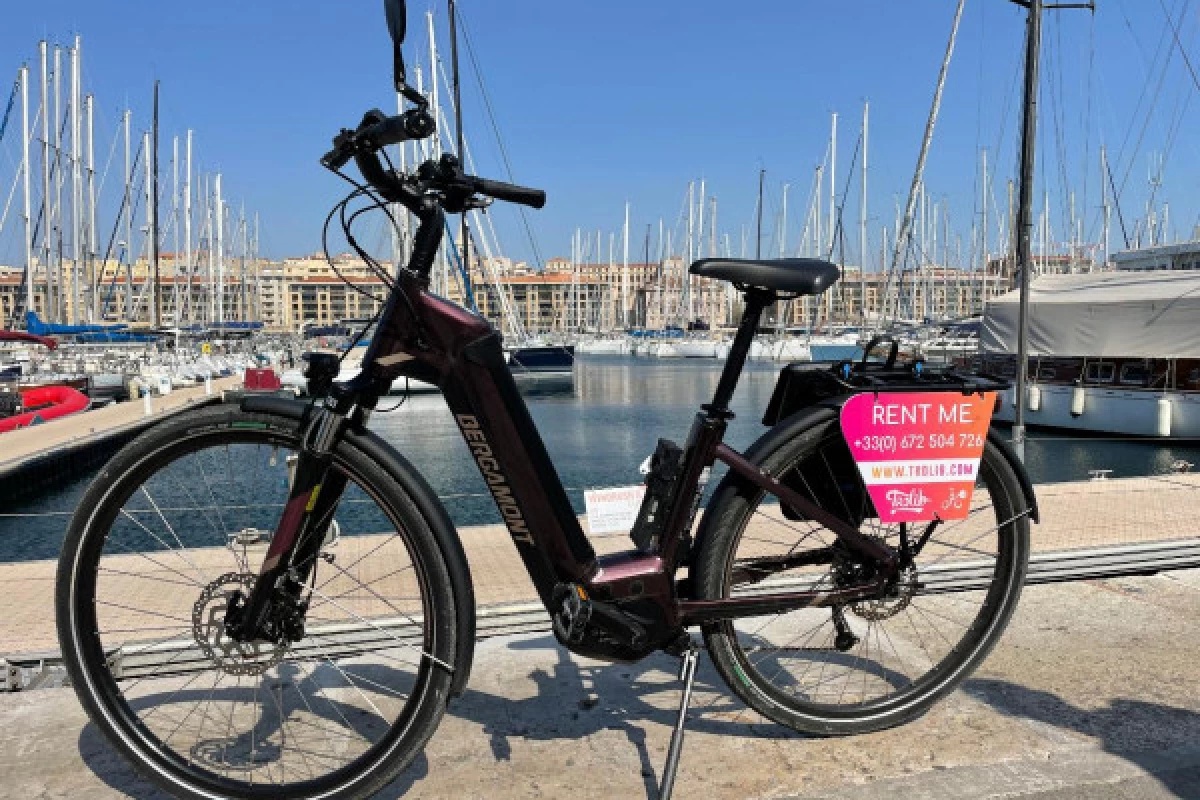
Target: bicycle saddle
{"points": [[792, 275]]}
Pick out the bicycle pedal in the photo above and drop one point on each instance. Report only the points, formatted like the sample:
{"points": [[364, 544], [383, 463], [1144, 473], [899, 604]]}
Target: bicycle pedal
{"points": [[574, 612]]}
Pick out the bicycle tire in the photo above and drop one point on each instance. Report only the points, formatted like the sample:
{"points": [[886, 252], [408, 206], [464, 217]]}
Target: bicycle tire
{"points": [[208, 771], [789, 452]]}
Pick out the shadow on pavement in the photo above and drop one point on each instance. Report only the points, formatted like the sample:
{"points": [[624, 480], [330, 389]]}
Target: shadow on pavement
{"points": [[1131, 729], [569, 702]]}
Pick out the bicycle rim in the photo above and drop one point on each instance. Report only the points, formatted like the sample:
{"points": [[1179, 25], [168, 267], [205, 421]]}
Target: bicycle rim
{"points": [[160, 556], [889, 657]]}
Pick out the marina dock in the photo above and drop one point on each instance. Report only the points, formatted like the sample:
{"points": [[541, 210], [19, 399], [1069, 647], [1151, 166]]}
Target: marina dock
{"points": [[35, 457], [1090, 529]]}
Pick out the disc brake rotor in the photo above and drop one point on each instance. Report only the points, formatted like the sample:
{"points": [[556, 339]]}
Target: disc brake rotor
{"points": [[895, 601], [208, 629]]}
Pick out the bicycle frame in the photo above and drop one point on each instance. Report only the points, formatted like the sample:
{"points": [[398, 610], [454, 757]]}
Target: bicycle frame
{"points": [[423, 336]]}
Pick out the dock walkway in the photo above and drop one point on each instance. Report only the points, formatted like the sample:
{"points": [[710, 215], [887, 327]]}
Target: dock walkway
{"points": [[43, 453], [1157, 519]]}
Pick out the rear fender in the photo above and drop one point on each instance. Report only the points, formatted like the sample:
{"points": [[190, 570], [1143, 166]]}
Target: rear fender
{"points": [[799, 389], [799, 421], [427, 503]]}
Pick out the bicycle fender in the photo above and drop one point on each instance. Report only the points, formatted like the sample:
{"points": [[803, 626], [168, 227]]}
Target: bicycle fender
{"points": [[427, 502], [1010, 455]]}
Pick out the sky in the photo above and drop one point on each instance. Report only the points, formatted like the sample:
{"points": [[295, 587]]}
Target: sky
{"points": [[604, 104]]}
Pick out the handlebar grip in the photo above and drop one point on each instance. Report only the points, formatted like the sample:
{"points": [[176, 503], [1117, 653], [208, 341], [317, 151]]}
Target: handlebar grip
{"points": [[510, 193]]}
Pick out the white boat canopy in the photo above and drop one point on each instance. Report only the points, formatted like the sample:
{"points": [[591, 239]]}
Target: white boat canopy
{"points": [[1153, 314]]}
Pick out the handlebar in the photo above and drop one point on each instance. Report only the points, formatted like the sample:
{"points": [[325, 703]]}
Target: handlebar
{"points": [[443, 178], [509, 193]]}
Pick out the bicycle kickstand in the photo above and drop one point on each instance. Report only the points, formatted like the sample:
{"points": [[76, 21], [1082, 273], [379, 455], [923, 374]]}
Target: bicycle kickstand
{"points": [[687, 674]]}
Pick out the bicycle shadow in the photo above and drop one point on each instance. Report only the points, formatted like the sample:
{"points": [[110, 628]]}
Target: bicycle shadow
{"points": [[1135, 730], [570, 701]]}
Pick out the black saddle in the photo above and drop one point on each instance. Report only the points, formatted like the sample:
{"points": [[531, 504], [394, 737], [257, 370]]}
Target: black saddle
{"points": [[790, 275]]}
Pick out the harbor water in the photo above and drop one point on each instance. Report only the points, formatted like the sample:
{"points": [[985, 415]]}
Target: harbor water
{"points": [[598, 428]]}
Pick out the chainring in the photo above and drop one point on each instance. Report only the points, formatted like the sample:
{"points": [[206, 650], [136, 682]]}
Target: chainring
{"points": [[208, 629]]}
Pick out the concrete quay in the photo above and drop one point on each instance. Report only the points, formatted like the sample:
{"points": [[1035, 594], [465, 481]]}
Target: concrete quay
{"points": [[1090, 695], [32, 458]]}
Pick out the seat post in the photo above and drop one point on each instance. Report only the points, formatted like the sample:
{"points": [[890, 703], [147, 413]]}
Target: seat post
{"points": [[757, 301]]}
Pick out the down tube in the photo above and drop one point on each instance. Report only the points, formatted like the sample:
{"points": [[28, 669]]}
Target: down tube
{"points": [[507, 448]]}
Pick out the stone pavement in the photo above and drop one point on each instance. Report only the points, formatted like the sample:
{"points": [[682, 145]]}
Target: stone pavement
{"points": [[1091, 694]]}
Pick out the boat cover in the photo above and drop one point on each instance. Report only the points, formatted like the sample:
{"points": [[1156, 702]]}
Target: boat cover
{"points": [[1149, 314]]}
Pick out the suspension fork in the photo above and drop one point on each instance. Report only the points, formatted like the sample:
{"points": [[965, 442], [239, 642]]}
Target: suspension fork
{"points": [[315, 493]]}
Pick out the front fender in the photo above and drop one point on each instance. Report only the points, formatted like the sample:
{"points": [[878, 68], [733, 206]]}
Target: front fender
{"points": [[427, 502]]}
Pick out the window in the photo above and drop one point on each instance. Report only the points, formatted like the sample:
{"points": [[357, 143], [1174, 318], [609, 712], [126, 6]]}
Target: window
{"points": [[1046, 373], [1135, 374], [1100, 372]]}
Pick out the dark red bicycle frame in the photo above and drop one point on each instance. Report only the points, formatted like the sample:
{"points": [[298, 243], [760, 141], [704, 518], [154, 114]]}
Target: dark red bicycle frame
{"points": [[423, 336], [462, 353]]}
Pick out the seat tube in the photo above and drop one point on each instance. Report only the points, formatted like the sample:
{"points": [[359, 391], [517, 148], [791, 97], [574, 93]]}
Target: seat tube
{"points": [[757, 301]]}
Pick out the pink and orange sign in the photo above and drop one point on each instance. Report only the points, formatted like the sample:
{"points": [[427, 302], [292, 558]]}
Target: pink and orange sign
{"points": [[918, 452]]}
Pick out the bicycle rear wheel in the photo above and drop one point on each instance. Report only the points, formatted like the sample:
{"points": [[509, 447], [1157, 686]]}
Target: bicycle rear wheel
{"points": [[876, 663], [177, 522]]}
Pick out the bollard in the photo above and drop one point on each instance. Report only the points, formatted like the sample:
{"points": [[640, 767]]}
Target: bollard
{"points": [[147, 404], [208, 387]]}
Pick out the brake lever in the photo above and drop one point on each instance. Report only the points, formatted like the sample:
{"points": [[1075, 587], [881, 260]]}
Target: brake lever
{"points": [[342, 152]]}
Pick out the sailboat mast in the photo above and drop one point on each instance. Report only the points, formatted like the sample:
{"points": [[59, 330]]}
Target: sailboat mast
{"points": [[188, 266], [128, 220], [458, 131], [24, 79], [154, 213], [1033, 43], [243, 305], [219, 247], [76, 184], [862, 222], [905, 228], [93, 280], [762, 178], [176, 306], [783, 221], [46, 224], [1104, 200], [625, 273], [985, 197], [148, 190], [60, 310], [258, 316], [832, 184]]}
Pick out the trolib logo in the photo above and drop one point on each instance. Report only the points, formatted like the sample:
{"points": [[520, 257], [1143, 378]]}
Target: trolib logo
{"points": [[910, 502], [495, 479]]}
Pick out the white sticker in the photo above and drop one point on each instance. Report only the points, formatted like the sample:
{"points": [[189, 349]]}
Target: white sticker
{"points": [[613, 510]]}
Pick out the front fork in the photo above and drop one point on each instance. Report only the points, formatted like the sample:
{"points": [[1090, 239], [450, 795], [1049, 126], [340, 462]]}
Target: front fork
{"points": [[274, 609]]}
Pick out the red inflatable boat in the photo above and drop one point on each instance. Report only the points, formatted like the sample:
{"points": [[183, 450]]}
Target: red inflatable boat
{"points": [[44, 404]]}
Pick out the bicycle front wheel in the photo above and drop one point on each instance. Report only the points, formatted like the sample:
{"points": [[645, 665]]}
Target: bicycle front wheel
{"points": [[177, 523], [875, 663]]}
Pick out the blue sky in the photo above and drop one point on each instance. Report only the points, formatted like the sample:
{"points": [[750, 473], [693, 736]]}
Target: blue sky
{"points": [[603, 103]]}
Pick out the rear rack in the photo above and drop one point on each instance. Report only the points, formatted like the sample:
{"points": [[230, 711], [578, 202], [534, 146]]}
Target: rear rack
{"points": [[802, 385]]}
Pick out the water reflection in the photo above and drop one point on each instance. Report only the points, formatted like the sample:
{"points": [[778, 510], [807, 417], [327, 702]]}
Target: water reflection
{"points": [[598, 428]]}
